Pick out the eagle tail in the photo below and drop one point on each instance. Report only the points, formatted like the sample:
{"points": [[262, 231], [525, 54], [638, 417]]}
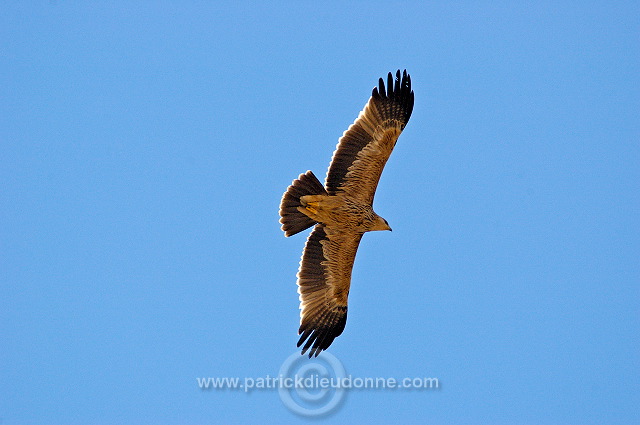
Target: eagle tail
{"points": [[293, 221]]}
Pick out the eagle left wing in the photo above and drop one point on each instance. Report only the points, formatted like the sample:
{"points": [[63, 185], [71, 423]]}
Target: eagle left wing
{"points": [[363, 150], [324, 279]]}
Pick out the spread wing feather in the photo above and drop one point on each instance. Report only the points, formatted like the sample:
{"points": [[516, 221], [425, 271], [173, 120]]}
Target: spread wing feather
{"points": [[364, 148], [324, 278]]}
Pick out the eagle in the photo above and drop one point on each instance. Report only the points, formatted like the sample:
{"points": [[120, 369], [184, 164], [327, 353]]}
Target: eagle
{"points": [[341, 211]]}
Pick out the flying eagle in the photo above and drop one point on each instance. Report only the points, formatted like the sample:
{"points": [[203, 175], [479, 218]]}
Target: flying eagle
{"points": [[342, 211]]}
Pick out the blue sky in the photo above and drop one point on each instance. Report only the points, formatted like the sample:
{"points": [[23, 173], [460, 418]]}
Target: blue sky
{"points": [[144, 150]]}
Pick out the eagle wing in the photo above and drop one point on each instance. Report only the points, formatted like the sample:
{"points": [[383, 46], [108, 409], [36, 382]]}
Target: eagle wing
{"points": [[365, 147], [324, 278]]}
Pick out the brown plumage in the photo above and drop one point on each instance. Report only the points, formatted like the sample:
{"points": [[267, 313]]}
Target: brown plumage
{"points": [[342, 211]]}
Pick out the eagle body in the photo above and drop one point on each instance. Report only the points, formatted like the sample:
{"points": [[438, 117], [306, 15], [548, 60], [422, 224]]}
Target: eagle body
{"points": [[341, 211]]}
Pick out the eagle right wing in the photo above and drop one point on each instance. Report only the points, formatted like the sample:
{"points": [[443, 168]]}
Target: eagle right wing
{"points": [[324, 279], [363, 150]]}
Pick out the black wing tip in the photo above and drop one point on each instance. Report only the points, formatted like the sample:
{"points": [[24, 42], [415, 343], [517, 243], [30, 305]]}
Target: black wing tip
{"points": [[320, 338], [397, 90], [400, 86]]}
